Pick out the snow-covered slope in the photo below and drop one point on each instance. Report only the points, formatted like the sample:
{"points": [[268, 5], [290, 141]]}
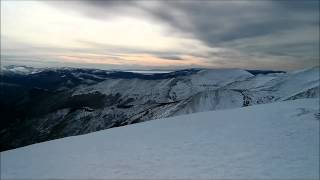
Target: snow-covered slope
{"points": [[273, 141]]}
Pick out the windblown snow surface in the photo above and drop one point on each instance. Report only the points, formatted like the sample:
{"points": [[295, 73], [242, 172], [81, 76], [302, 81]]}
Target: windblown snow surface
{"points": [[272, 141]]}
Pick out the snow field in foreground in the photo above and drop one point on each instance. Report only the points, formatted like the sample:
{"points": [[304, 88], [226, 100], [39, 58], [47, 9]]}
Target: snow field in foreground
{"points": [[271, 141]]}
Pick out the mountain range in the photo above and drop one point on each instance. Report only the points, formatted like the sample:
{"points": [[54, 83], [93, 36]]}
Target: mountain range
{"points": [[41, 104]]}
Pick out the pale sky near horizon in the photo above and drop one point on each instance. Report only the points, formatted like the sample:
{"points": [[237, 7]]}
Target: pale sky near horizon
{"points": [[144, 34]]}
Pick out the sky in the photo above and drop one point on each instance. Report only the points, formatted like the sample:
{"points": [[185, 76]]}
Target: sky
{"points": [[163, 34]]}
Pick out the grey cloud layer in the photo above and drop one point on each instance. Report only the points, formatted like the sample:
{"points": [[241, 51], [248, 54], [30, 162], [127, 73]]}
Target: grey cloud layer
{"points": [[263, 27]]}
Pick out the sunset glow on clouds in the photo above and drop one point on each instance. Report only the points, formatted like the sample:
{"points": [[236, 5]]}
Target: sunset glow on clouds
{"points": [[136, 34]]}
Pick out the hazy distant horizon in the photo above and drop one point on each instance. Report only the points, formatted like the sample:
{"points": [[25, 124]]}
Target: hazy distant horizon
{"points": [[151, 70], [134, 68], [144, 35]]}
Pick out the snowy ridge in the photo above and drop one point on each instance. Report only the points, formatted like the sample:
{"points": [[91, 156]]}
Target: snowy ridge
{"points": [[272, 141], [216, 89]]}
